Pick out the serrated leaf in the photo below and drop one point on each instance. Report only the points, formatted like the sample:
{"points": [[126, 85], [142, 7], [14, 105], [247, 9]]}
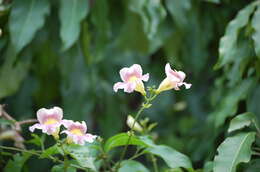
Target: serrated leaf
{"points": [[71, 13], [232, 151], [132, 166], [242, 121], [256, 34], [26, 18], [227, 47], [121, 140], [17, 163], [173, 158], [60, 168]]}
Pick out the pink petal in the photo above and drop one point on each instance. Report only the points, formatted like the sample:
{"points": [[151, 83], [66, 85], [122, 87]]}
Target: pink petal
{"points": [[84, 126], [118, 85], [181, 75], [35, 126], [145, 77], [58, 112], [67, 123], [41, 115], [124, 73], [90, 138], [137, 70], [129, 87], [187, 85]]}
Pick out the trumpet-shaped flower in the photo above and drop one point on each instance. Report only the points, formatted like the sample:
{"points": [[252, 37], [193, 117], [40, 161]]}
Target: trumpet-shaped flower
{"points": [[132, 124], [76, 132], [132, 78], [50, 121], [174, 79]]}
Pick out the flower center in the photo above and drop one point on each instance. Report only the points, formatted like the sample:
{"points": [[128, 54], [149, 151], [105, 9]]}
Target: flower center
{"points": [[132, 79], [76, 131], [50, 121]]}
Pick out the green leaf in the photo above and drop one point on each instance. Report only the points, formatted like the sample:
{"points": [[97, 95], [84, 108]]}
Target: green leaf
{"points": [[228, 47], [208, 166], [132, 166], [50, 151], [17, 163], [82, 154], [71, 13], [178, 10], [121, 140], [60, 168], [228, 105], [6, 122], [232, 151], [173, 158], [26, 18], [36, 140], [12, 76], [256, 34], [241, 121], [151, 12]]}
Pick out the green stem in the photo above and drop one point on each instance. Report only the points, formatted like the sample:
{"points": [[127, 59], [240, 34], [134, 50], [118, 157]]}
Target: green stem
{"points": [[66, 160], [144, 106], [54, 159], [154, 161], [136, 155]]}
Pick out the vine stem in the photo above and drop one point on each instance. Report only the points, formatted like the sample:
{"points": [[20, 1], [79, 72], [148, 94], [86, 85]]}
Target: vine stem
{"points": [[154, 161], [143, 107]]}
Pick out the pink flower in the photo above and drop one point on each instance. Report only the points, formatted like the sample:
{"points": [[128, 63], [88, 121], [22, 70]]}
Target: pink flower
{"points": [[132, 79], [49, 121], [76, 132], [174, 79]]}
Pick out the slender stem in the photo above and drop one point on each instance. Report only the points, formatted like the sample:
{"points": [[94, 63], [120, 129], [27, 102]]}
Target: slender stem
{"points": [[154, 161], [256, 148], [137, 155], [28, 121], [143, 107], [54, 159], [66, 160]]}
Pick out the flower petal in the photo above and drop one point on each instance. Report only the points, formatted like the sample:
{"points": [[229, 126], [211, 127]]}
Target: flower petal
{"points": [[41, 115], [35, 126], [129, 87], [124, 73], [187, 85], [67, 123], [137, 70], [58, 112], [145, 77], [119, 85], [90, 138]]}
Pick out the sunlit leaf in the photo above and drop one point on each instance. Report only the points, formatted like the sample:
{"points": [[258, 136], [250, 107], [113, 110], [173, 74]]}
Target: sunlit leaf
{"points": [[71, 13], [232, 151], [132, 166], [256, 34], [26, 18], [121, 140], [242, 121]]}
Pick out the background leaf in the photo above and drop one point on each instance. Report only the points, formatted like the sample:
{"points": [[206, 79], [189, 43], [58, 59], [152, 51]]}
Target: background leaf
{"points": [[71, 13], [23, 16], [256, 34]]}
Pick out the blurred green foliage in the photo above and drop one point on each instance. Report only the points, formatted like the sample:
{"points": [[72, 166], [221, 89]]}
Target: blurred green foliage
{"points": [[68, 53]]}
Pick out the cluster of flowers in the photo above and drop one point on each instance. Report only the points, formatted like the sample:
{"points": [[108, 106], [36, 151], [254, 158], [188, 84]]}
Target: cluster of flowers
{"points": [[133, 78], [50, 121]]}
